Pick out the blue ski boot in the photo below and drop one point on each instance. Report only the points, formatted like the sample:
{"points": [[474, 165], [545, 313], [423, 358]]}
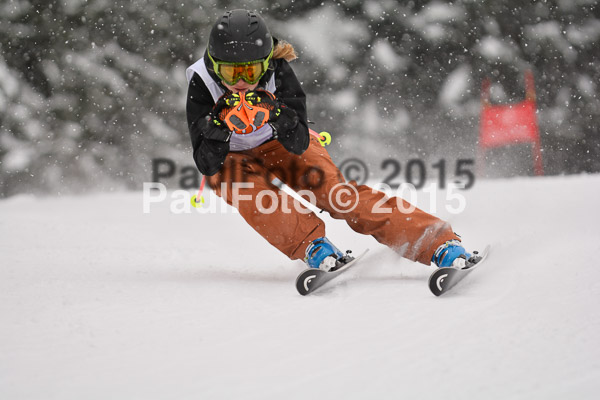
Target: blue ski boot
{"points": [[322, 254], [452, 254]]}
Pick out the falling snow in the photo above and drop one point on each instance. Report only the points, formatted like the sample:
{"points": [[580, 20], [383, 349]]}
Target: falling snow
{"points": [[395, 78]]}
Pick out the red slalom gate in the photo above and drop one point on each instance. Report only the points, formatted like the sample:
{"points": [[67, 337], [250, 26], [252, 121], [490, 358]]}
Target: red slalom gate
{"points": [[508, 124]]}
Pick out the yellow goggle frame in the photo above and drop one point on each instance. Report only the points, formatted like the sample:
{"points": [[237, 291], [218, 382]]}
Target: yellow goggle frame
{"points": [[249, 72]]}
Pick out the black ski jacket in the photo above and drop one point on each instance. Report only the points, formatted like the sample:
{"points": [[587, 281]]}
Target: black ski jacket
{"points": [[209, 155]]}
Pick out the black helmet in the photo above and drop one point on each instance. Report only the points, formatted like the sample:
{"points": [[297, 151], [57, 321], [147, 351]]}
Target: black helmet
{"points": [[240, 36]]}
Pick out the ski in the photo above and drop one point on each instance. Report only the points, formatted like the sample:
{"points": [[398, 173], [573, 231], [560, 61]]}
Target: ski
{"points": [[311, 278], [444, 279]]}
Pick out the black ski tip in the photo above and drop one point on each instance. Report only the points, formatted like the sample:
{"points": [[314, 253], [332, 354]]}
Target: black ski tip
{"points": [[442, 280], [311, 279], [306, 280]]}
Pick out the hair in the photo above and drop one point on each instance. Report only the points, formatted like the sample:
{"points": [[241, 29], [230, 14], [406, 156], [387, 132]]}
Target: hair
{"points": [[284, 50]]}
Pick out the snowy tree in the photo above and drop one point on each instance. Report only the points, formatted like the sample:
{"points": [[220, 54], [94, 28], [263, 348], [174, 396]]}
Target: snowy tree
{"points": [[92, 91]]}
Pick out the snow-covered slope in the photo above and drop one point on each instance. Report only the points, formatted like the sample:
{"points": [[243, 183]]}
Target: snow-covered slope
{"points": [[99, 300]]}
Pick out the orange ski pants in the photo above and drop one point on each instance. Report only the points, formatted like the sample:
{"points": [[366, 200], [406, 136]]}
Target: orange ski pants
{"points": [[247, 176]]}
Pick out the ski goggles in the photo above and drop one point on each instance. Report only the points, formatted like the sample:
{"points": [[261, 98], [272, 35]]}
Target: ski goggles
{"points": [[249, 72]]}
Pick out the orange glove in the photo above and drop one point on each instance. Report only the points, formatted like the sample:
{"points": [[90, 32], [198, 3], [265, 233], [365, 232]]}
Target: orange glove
{"points": [[246, 112], [261, 106], [281, 118]]}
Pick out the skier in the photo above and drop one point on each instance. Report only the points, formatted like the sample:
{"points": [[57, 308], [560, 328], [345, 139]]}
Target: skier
{"points": [[247, 119]]}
